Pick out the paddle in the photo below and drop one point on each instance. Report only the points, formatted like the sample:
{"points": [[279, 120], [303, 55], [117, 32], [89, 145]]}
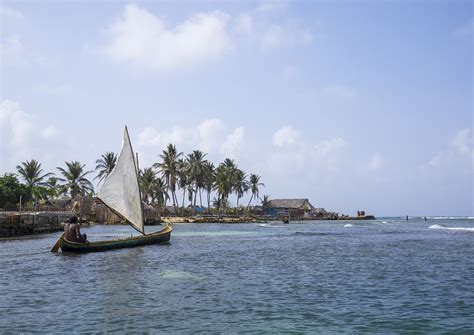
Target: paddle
{"points": [[55, 247]]}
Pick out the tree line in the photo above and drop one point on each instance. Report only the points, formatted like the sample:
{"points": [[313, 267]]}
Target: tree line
{"points": [[191, 175]]}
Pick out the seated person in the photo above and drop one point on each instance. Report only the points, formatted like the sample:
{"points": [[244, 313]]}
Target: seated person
{"points": [[72, 231]]}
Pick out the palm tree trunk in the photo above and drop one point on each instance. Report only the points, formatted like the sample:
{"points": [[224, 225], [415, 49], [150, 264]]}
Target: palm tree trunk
{"points": [[220, 197], [175, 201], [248, 206], [209, 202], [200, 198], [195, 198]]}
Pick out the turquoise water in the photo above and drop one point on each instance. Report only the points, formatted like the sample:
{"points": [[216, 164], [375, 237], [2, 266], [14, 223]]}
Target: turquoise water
{"points": [[383, 276]]}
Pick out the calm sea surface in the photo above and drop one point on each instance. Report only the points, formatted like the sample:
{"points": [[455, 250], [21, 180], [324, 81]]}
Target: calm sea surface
{"points": [[383, 276]]}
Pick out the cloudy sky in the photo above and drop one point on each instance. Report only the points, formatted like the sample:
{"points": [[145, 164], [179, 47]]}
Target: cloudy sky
{"points": [[356, 105]]}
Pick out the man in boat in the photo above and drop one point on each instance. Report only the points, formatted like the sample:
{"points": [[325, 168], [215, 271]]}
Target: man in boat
{"points": [[72, 231]]}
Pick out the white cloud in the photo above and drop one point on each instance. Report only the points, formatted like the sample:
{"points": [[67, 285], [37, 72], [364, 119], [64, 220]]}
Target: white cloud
{"points": [[211, 136], [328, 147], [11, 13], [377, 162], [272, 6], [285, 135], [294, 156], [244, 24], [270, 27], [461, 147], [50, 132], [462, 142], [22, 134], [142, 40], [151, 137], [16, 125], [12, 51], [233, 143]]}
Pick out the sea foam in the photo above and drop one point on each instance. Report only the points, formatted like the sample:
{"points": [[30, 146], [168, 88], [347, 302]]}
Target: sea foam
{"points": [[450, 217], [438, 226]]}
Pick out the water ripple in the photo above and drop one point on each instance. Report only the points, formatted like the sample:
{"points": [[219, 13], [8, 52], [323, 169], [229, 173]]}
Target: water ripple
{"points": [[310, 278]]}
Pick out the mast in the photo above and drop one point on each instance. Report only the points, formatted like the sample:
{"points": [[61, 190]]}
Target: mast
{"points": [[140, 192], [135, 163]]}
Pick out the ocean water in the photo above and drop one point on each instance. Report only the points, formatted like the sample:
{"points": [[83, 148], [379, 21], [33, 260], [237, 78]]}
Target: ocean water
{"points": [[387, 276]]}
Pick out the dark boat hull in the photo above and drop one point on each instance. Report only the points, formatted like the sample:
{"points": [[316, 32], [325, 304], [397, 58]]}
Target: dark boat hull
{"points": [[159, 237]]}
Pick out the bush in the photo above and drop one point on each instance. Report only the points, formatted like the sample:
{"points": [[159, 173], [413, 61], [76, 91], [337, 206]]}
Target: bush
{"points": [[11, 190]]}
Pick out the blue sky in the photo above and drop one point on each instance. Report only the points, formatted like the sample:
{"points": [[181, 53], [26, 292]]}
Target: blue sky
{"points": [[354, 105]]}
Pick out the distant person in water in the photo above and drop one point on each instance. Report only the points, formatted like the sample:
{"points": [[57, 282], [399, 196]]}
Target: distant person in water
{"points": [[407, 217], [72, 231]]}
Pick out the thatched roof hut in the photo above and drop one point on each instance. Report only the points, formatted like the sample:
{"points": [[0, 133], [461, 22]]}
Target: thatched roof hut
{"points": [[292, 203], [295, 208]]}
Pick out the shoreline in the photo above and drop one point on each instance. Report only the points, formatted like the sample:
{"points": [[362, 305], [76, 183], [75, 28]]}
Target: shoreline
{"points": [[14, 224]]}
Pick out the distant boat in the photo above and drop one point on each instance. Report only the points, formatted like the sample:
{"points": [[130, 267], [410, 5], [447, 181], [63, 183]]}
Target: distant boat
{"points": [[121, 193]]}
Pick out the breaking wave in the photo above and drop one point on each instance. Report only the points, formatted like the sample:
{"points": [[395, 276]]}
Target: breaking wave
{"points": [[174, 274], [438, 226], [450, 217]]}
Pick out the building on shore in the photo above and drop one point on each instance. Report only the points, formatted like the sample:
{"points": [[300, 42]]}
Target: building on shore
{"points": [[293, 208]]}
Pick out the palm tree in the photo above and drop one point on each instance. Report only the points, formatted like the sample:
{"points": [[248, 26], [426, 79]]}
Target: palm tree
{"points": [[241, 184], [208, 181], [159, 192], [53, 186], [183, 179], [265, 202], [147, 181], [105, 165], [195, 171], [169, 170], [30, 172], [254, 184], [75, 181], [153, 188], [219, 203], [225, 177]]}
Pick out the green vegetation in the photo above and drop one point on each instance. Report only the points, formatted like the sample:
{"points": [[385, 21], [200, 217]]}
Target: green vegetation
{"points": [[105, 165], [190, 174], [11, 190], [30, 172], [75, 181]]}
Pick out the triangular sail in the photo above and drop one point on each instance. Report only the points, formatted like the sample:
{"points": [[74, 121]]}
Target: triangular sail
{"points": [[120, 190]]}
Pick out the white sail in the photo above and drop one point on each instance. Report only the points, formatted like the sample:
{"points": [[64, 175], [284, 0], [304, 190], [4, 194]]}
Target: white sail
{"points": [[120, 190]]}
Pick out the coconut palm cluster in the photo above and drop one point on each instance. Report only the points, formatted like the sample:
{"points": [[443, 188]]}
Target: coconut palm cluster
{"points": [[175, 180]]}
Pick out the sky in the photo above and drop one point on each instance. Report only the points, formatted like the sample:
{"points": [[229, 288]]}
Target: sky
{"points": [[355, 105]]}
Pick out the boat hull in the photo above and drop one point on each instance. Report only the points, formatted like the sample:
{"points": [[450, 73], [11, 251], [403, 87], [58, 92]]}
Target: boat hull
{"points": [[159, 237]]}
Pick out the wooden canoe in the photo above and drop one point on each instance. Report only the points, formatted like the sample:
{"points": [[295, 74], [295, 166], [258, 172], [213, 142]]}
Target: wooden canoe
{"points": [[159, 237]]}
